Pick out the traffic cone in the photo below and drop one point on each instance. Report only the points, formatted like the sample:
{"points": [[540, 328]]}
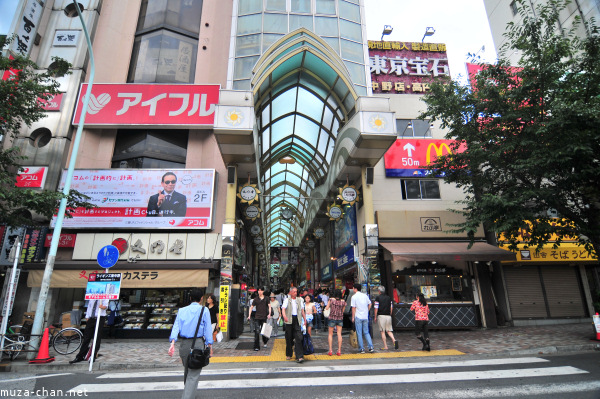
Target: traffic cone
{"points": [[44, 352]]}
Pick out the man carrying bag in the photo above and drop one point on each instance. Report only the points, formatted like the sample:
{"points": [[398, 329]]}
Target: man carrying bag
{"points": [[191, 322]]}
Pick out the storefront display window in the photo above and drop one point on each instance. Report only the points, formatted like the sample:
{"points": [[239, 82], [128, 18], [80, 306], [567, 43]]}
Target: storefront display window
{"points": [[436, 287]]}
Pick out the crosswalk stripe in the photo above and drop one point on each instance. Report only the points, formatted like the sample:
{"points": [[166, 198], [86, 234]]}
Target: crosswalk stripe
{"points": [[337, 368], [537, 390], [337, 381]]}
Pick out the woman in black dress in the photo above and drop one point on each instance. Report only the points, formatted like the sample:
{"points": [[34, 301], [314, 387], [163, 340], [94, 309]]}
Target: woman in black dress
{"points": [[213, 309]]}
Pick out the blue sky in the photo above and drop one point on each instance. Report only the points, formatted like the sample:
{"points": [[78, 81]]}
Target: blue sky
{"points": [[7, 12]]}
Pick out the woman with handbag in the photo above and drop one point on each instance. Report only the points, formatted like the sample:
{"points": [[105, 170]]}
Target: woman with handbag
{"points": [[421, 309], [213, 309], [192, 326], [263, 310], [311, 311], [335, 307]]}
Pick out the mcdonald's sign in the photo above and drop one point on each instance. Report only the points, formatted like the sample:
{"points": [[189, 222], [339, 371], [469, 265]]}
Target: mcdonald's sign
{"points": [[409, 157]]}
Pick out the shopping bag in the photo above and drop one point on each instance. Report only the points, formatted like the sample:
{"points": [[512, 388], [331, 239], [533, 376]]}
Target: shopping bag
{"points": [[281, 322], [219, 336], [353, 339], [307, 345], [266, 330]]}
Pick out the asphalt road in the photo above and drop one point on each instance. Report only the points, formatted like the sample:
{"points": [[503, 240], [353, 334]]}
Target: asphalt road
{"points": [[572, 376]]}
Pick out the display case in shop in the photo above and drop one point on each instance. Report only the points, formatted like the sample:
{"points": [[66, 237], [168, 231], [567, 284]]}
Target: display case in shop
{"points": [[149, 316]]}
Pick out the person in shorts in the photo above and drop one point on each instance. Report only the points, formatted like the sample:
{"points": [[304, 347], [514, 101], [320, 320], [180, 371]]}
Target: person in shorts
{"points": [[383, 317], [336, 306]]}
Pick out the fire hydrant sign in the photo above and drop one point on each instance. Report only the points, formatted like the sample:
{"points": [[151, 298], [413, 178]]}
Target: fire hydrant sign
{"points": [[103, 286], [223, 307]]}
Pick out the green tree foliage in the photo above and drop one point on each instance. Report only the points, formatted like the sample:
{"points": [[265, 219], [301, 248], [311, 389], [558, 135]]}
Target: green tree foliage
{"points": [[532, 134], [20, 106]]}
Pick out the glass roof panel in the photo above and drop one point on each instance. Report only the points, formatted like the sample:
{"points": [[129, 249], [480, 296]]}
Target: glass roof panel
{"points": [[284, 103], [282, 128], [316, 64], [311, 105]]}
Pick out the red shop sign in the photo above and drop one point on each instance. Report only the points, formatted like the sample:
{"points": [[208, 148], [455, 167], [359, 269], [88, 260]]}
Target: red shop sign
{"points": [[65, 241], [113, 105], [32, 176], [53, 104]]}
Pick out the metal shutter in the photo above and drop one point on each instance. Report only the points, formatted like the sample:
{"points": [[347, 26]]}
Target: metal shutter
{"points": [[562, 291], [525, 294]]}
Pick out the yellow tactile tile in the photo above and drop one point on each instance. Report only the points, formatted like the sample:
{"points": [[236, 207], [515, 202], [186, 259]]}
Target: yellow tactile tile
{"points": [[278, 355]]}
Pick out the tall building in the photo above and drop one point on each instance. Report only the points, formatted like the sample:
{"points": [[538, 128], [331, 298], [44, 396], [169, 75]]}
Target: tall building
{"points": [[501, 12], [536, 284]]}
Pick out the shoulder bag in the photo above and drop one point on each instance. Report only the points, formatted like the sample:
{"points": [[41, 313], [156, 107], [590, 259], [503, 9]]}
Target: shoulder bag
{"points": [[198, 358]]}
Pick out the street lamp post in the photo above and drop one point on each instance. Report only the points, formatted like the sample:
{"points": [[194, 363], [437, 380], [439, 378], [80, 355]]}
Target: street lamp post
{"points": [[38, 321]]}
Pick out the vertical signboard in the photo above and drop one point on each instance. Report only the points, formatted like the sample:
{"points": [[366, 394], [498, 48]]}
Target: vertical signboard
{"points": [[27, 26], [223, 307]]}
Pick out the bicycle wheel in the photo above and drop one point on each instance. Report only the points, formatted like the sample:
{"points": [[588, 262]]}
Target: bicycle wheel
{"points": [[67, 340], [13, 349]]}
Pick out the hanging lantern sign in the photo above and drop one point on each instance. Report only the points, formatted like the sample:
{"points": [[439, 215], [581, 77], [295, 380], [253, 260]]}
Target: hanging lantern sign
{"points": [[248, 193], [348, 194], [252, 212], [255, 230], [261, 256], [310, 243], [263, 262], [319, 232], [260, 248], [334, 212], [306, 250], [257, 240]]}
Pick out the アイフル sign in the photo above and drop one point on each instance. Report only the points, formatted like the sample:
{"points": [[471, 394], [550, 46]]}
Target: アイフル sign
{"points": [[114, 105]]}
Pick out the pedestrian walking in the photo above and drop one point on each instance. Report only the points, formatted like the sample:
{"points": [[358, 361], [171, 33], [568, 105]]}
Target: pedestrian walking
{"points": [[184, 329], [294, 317], [213, 309], [421, 309], [311, 312], [361, 305], [325, 300], [275, 314], [319, 315], [336, 307], [263, 313], [383, 317]]}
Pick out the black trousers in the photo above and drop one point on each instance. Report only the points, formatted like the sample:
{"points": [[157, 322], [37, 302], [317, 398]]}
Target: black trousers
{"points": [[422, 325], [293, 332], [257, 329], [88, 336]]}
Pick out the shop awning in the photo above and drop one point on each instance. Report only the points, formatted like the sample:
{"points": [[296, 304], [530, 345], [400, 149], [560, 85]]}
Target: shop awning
{"points": [[441, 251], [180, 278]]}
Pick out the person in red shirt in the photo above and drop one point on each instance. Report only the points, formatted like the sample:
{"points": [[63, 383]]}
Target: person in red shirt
{"points": [[421, 309]]}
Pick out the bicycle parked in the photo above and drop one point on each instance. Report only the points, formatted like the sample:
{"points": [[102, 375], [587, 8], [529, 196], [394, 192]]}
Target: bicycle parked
{"points": [[18, 339]]}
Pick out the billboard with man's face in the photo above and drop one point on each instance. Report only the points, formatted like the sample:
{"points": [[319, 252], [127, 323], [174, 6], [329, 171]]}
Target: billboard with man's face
{"points": [[144, 199]]}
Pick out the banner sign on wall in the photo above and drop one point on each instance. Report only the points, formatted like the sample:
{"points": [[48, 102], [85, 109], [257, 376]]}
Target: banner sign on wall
{"points": [[32, 176], [113, 105], [10, 239], [409, 157], [406, 68], [33, 245], [27, 25], [144, 199], [223, 307]]}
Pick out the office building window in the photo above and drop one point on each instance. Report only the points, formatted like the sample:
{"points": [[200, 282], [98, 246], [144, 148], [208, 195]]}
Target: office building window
{"points": [[166, 43], [413, 189], [513, 7], [413, 128], [146, 148]]}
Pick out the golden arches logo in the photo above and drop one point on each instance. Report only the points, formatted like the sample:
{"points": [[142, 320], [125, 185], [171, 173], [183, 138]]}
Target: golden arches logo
{"points": [[438, 151]]}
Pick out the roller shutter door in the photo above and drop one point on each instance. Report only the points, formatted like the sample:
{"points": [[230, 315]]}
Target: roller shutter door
{"points": [[562, 291], [525, 294]]}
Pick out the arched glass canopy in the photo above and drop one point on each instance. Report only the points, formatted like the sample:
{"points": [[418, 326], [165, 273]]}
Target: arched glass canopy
{"points": [[303, 95]]}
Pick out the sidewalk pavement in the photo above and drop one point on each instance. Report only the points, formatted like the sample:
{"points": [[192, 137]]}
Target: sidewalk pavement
{"points": [[118, 354]]}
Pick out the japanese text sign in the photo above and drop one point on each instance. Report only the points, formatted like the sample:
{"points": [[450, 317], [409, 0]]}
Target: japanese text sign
{"points": [[223, 307], [32, 176], [64, 241], [406, 68], [149, 105], [103, 286], [27, 26], [144, 199], [409, 157]]}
